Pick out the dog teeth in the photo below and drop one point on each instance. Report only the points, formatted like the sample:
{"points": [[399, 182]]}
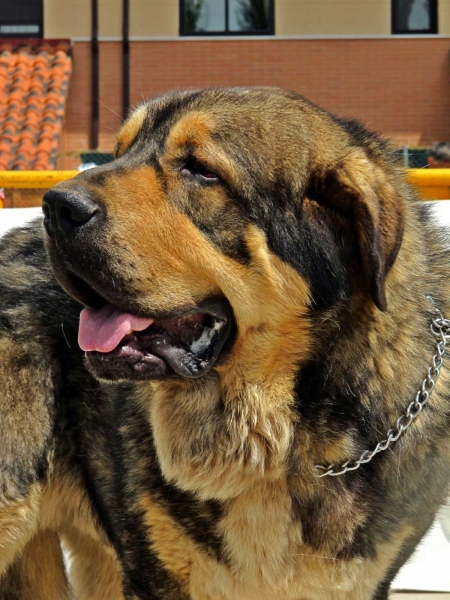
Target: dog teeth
{"points": [[198, 346]]}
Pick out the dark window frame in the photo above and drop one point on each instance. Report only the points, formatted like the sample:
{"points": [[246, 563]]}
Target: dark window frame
{"points": [[18, 16], [21, 34], [433, 21], [227, 33]]}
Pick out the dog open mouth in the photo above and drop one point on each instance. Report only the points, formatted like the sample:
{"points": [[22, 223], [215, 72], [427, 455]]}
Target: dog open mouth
{"points": [[119, 345]]}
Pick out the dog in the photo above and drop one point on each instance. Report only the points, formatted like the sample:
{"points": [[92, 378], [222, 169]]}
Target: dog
{"points": [[223, 363]]}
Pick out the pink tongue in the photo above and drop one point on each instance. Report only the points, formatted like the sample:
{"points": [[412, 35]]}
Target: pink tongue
{"points": [[102, 330]]}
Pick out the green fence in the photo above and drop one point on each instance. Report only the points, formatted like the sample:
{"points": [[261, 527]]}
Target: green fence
{"points": [[413, 158]]}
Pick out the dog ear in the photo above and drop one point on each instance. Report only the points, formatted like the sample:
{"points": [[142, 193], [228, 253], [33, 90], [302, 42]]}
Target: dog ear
{"points": [[371, 194]]}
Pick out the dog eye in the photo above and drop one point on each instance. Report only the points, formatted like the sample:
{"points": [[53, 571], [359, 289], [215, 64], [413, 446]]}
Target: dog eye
{"points": [[194, 167]]}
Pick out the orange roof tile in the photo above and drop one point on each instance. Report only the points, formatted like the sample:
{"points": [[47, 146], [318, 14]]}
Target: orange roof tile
{"points": [[34, 79]]}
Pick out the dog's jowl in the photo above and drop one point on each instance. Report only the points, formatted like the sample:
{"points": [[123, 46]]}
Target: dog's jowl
{"points": [[203, 343]]}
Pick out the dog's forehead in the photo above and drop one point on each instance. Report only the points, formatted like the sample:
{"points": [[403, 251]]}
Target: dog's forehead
{"points": [[226, 113]]}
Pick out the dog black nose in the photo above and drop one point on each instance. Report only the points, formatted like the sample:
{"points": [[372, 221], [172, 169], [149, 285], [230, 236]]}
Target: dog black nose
{"points": [[67, 211]]}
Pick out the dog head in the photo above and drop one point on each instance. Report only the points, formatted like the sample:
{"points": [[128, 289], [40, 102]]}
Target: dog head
{"points": [[228, 218]]}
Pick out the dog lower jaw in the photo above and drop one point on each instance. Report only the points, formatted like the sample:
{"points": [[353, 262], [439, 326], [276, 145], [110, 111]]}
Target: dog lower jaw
{"points": [[116, 366]]}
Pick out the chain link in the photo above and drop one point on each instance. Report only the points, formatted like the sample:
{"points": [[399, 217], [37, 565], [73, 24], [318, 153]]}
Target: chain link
{"points": [[440, 328]]}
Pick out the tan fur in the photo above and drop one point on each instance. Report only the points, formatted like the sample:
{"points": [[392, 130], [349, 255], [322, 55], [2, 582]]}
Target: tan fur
{"points": [[268, 557], [22, 401], [66, 505], [271, 563], [29, 531], [129, 130], [172, 546], [357, 579], [95, 572], [194, 129], [19, 520], [38, 573], [94, 569], [32, 524], [32, 389]]}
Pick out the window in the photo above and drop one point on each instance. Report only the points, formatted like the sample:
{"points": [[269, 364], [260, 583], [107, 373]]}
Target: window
{"points": [[414, 16], [21, 19], [226, 17]]}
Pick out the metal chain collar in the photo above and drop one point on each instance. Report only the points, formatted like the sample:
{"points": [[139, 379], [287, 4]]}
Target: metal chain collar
{"points": [[440, 328]]}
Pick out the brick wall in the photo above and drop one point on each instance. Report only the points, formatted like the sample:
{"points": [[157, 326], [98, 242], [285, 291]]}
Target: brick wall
{"points": [[75, 134], [399, 87], [77, 123]]}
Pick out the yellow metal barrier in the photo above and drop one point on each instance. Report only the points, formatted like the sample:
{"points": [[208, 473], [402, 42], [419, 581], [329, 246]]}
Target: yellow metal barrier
{"points": [[33, 179], [20, 189], [433, 184]]}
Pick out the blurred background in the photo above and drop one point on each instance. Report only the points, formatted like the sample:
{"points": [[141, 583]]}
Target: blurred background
{"points": [[71, 69]]}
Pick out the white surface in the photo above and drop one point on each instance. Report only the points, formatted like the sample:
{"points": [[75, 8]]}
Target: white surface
{"points": [[442, 211], [13, 217], [428, 569]]}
